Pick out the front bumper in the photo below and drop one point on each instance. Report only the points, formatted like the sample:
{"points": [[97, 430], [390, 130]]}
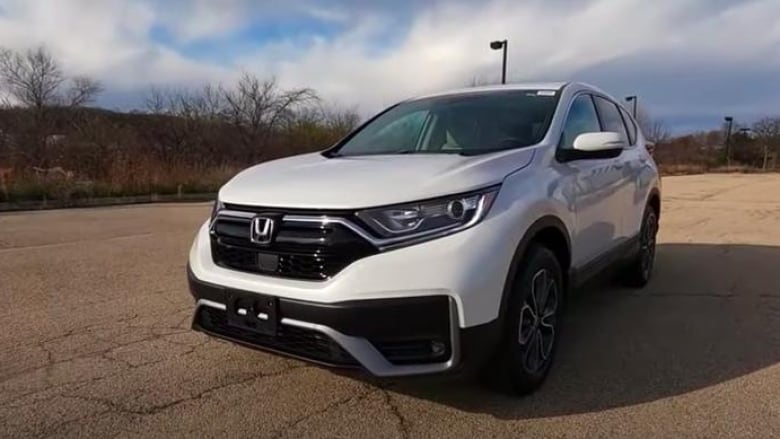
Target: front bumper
{"points": [[386, 337]]}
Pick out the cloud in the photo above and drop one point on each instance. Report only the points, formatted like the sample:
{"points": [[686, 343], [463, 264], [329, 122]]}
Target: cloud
{"points": [[688, 59]]}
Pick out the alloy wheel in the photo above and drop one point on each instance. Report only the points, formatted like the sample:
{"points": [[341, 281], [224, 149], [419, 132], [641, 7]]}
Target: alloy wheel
{"points": [[538, 318], [647, 244]]}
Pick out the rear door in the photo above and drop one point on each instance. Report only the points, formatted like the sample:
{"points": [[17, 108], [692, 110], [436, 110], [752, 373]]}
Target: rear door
{"points": [[639, 168]]}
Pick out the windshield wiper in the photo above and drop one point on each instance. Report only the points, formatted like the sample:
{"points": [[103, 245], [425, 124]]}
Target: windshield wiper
{"points": [[473, 152]]}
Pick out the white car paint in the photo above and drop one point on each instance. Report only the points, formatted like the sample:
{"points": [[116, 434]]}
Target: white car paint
{"points": [[312, 181], [599, 201]]}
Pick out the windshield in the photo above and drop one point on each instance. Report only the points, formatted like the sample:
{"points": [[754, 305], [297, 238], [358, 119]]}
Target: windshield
{"points": [[458, 124]]}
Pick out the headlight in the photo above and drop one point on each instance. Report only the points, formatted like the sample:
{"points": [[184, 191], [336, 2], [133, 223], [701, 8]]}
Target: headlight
{"points": [[429, 218]]}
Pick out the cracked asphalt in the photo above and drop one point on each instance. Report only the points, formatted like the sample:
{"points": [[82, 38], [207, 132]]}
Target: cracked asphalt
{"points": [[95, 340]]}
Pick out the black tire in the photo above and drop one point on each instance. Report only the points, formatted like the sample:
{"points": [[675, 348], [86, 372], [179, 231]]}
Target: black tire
{"points": [[530, 341], [639, 271]]}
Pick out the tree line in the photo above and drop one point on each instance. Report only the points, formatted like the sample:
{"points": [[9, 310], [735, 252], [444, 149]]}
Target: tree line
{"points": [[55, 145], [748, 148]]}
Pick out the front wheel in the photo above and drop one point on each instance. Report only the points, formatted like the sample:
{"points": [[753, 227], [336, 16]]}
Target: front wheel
{"points": [[533, 322]]}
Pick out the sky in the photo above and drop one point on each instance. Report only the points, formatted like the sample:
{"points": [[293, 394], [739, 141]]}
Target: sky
{"points": [[690, 61]]}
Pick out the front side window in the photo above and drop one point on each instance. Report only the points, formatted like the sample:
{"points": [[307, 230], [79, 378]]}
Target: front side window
{"points": [[582, 119], [611, 119], [465, 124]]}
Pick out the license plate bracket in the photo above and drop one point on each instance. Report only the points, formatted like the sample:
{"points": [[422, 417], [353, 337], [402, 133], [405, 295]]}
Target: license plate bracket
{"points": [[253, 312]]}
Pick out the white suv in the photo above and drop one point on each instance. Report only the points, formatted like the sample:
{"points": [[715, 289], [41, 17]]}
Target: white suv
{"points": [[444, 232]]}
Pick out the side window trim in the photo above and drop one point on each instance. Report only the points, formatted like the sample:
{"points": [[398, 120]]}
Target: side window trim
{"points": [[568, 113], [617, 108], [598, 113], [630, 123]]}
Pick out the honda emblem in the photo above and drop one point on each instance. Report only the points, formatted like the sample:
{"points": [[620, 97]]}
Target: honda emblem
{"points": [[261, 230]]}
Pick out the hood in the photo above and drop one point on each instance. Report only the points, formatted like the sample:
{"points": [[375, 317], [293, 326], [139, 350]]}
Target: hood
{"points": [[316, 182]]}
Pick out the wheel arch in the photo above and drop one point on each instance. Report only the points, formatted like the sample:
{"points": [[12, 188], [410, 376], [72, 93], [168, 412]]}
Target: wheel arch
{"points": [[654, 200], [549, 231]]}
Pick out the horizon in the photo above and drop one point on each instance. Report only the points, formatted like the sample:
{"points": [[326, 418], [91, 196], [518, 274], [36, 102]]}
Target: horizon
{"points": [[690, 62]]}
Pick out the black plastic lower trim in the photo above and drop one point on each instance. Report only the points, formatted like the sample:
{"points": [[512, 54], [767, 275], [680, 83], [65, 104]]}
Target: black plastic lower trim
{"points": [[479, 345], [290, 341], [372, 318], [612, 259], [414, 330]]}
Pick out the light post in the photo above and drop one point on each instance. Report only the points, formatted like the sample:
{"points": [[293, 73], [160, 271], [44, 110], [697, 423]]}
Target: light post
{"points": [[729, 126], [634, 100], [498, 45]]}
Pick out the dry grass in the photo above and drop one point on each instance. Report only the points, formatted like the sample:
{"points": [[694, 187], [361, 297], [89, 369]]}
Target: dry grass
{"points": [[124, 181], [689, 169]]}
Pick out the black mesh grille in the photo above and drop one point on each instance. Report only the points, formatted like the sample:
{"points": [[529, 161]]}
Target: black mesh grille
{"points": [[309, 251], [299, 342]]}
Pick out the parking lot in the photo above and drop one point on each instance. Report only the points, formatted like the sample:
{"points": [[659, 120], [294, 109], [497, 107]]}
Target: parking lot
{"points": [[95, 339]]}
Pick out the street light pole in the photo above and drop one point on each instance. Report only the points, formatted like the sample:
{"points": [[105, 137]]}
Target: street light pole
{"points": [[496, 45], [634, 100], [730, 121]]}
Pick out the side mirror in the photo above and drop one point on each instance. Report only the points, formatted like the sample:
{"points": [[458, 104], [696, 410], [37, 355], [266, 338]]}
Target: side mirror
{"points": [[591, 146], [592, 142]]}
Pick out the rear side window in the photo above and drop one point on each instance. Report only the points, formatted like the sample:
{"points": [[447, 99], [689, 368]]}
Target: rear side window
{"points": [[610, 117], [630, 125], [582, 119]]}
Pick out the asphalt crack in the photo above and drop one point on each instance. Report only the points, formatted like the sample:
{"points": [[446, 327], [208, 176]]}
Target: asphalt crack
{"points": [[403, 425], [51, 430], [90, 330], [154, 409], [361, 395]]}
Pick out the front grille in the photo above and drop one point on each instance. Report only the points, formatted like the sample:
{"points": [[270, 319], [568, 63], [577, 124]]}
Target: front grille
{"points": [[293, 265], [308, 251], [298, 342]]}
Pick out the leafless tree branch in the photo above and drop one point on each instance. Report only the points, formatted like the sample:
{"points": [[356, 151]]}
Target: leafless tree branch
{"points": [[83, 91]]}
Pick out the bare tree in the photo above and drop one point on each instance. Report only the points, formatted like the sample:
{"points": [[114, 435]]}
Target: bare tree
{"points": [[256, 108], [155, 101], [655, 130], [83, 91], [341, 120], [767, 132], [32, 78]]}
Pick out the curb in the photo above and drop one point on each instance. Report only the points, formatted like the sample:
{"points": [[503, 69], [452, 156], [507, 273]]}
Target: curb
{"points": [[106, 201]]}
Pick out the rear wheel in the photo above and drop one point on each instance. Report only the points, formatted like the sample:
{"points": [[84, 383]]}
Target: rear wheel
{"points": [[533, 322], [639, 271]]}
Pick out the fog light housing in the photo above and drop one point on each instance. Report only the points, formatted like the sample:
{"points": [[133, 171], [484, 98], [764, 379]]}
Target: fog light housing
{"points": [[438, 348]]}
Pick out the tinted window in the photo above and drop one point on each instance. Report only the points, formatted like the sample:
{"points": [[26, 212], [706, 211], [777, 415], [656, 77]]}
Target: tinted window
{"points": [[610, 117], [630, 125], [462, 124], [582, 119]]}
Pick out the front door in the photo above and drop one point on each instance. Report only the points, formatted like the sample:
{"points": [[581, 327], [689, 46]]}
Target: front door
{"points": [[593, 186]]}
